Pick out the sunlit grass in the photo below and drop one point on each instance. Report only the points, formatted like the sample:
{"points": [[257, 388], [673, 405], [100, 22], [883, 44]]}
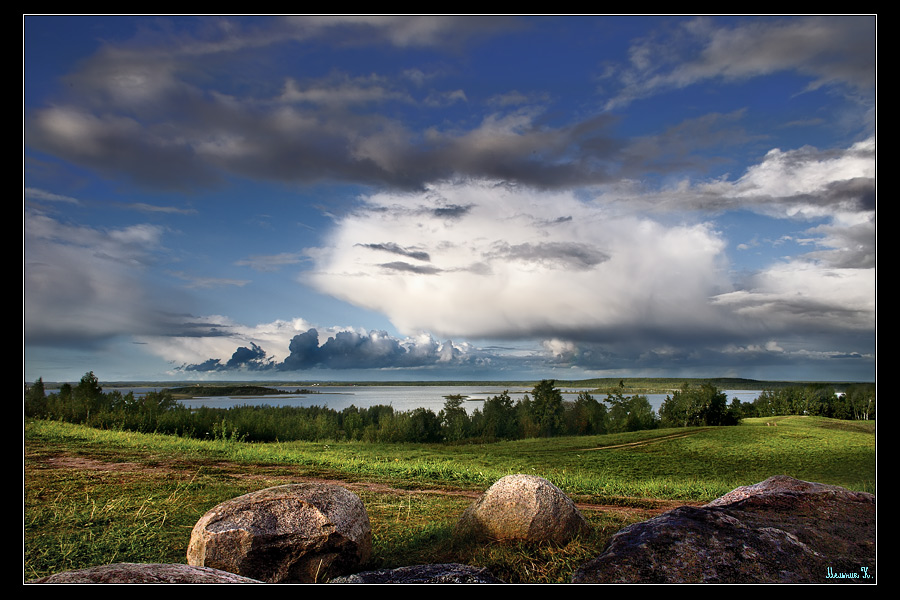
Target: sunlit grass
{"points": [[92, 514]]}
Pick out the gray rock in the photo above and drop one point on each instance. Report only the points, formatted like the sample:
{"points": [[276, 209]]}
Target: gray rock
{"points": [[782, 484], [522, 507], [782, 530], [145, 573], [440, 573], [287, 534]]}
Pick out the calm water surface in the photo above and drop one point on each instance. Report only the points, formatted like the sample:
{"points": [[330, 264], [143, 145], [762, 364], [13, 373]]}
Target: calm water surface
{"points": [[405, 398]]}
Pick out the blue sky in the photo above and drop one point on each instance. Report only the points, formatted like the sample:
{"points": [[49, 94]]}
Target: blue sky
{"points": [[380, 197]]}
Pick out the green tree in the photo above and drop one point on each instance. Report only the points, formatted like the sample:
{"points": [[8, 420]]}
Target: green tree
{"points": [[861, 400], [327, 426], [841, 407], [819, 401], [454, 419], [87, 398], [499, 417], [528, 426], [89, 386], [676, 410], [424, 426], [36, 404], [641, 415], [154, 403], [694, 406], [715, 406], [585, 416], [739, 410], [547, 408], [630, 413], [352, 423]]}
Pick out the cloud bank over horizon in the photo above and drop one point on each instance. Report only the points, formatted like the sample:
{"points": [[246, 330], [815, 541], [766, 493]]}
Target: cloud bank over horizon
{"points": [[249, 196]]}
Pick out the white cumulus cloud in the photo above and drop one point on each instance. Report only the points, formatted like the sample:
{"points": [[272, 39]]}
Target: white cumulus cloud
{"points": [[517, 262]]}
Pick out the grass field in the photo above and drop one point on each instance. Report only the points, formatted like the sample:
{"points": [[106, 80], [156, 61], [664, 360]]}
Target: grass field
{"points": [[93, 497]]}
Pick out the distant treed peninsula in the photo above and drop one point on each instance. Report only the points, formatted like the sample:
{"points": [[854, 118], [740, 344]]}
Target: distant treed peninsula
{"points": [[230, 390]]}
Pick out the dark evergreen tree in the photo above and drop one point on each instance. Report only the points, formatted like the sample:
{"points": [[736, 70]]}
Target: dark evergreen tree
{"points": [[454, 419], [499, 417], [36, 404], [547, 408]]}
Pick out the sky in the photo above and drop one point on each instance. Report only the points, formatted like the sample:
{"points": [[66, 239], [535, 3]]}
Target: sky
{"points": [[449, 197]]}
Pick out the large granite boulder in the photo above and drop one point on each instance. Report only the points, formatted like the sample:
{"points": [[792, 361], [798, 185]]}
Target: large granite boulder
{"points": [[782, 530], [145, 573], [439, 573], [287, 534], [522, 507]]}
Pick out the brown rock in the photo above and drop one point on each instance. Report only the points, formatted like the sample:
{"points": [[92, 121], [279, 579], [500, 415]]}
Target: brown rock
{"points": [[782, 530], [522, 507], [292, 533]]}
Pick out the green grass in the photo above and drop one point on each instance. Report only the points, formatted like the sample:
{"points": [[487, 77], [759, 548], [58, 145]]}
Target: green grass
{"points": [[94, 497]]}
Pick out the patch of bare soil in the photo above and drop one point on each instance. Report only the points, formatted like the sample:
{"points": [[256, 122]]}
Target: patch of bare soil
{"points": [[89, 464], [261, 473]]}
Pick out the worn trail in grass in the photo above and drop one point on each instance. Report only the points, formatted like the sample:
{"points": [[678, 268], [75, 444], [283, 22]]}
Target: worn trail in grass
{"points": [[285, 475]]}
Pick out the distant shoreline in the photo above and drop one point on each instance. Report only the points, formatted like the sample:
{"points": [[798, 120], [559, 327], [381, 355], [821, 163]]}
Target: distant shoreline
{"points": [[631, 385]]}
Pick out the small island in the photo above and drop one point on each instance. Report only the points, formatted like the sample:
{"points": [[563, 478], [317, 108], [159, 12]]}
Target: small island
{"points": [[196, 391]]}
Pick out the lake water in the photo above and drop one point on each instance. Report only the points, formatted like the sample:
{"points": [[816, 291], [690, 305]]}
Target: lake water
{"points": [[405, 398]]}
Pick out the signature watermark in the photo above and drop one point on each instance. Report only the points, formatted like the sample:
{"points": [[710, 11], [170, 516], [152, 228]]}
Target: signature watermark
{"points": [[862, 574]]}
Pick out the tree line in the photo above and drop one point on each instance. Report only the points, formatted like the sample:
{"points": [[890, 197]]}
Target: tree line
{"points": [[856, 403], [543, 413], [706, 405]]}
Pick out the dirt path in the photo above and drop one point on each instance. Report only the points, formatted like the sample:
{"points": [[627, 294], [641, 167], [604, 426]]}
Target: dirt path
{"points": [[650, 506], [662, 438]]}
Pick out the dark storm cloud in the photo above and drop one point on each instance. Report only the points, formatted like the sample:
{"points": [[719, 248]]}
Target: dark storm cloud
{"points": [[186, 326], [84, 285], [244, 359], [791, 358], [678, 147], [518, 147], [408, 268], [396, 249], [304, 351], [348, 349], [797, 183], [851, 195], [564, 255], [451, 212], [213, 364], [829, 50], [297, 144], [858, 192], [846, 247], [140, 110], [120, 145], [251, 358], [343, 350], [143, 112]]}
